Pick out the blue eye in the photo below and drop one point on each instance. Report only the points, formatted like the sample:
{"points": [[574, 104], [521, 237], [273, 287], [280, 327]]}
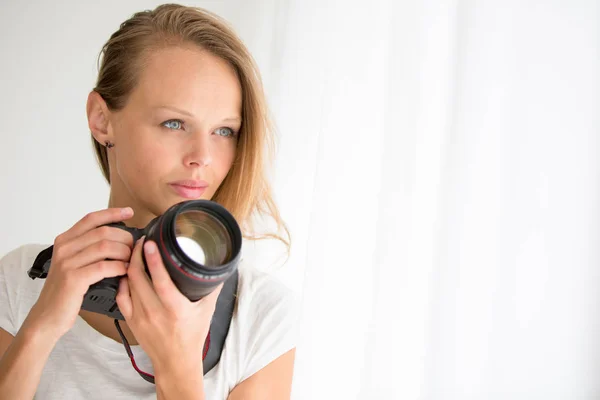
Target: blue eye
{"points": [[175, 124], [225, 132]]}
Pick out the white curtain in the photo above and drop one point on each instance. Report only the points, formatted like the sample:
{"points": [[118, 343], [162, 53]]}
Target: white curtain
{"points": [[438, 167]]}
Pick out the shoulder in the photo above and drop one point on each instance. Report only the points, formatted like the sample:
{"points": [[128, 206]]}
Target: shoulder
{"points": [[256, 284], [264, 299], [267, 316], [17, 261], [18, 292]]}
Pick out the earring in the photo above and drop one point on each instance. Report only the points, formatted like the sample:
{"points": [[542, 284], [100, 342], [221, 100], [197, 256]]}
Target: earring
{"points": [[109, 145]]}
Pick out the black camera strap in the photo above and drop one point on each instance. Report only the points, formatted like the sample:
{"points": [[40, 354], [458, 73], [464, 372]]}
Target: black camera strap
{"points": [[219, 326]]}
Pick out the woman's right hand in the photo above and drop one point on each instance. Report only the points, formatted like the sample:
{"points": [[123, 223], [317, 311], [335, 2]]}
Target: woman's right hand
{"points": [[82, 256]]}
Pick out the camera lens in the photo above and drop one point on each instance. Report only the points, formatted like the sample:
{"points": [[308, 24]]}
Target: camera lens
{"points": [[200, 244], [203, 238]]}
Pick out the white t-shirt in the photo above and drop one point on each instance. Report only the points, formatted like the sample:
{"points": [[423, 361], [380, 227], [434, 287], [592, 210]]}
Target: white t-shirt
{"points": [[87, 365]]}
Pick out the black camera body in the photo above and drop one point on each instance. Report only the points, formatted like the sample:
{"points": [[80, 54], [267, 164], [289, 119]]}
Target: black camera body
{"points": [[203, 226]]}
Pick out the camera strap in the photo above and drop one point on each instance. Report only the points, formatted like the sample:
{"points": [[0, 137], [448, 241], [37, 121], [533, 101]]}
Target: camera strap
{"points": [[219, 326]]}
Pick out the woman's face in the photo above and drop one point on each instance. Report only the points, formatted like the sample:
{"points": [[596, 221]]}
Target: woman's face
{"points": [[176, 138]]}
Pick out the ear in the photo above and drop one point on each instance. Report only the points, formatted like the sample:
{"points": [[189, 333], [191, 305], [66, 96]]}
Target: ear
{"points": [[98, 122]]}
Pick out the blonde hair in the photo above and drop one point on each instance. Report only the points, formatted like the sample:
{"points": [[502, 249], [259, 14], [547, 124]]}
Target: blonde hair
{"points": [[246, 191]]}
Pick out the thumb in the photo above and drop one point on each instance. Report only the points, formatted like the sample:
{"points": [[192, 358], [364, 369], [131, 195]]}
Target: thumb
{"points": [[211, 298]]}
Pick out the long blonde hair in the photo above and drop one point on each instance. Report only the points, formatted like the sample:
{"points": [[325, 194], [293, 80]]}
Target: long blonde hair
{"points": [[246, 191]]}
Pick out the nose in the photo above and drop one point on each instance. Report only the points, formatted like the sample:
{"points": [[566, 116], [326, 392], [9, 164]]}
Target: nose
{"points": [[198, 152]]}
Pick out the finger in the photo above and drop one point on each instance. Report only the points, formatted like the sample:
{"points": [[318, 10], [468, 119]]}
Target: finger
{"points": [[104, 249], [161, 280], [96, 219], [209, 302], [139, 282], [98, 235], [123, 299], [95, 272]]}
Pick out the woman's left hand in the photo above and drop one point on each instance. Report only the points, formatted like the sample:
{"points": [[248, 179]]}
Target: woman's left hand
{"points": [[170, 328]]}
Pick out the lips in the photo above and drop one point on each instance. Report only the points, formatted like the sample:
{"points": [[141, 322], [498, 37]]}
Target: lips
{"points": [[189, 189]]}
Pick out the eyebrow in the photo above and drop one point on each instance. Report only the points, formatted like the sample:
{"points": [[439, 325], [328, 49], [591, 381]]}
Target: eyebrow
{"points": [[180, 111]]}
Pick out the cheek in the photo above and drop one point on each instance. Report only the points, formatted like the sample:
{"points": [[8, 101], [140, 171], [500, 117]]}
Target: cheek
{"points": [[141, 160], [223, 163]]}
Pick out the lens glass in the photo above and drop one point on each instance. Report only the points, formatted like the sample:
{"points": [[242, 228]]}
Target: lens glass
{"points": [[203, 238]]}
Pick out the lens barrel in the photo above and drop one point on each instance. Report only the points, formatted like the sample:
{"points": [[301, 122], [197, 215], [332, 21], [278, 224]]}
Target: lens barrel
{"points": [[200, 243]]}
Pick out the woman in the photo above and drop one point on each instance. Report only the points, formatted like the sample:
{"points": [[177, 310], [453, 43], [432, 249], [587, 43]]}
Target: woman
{"points": [[178, 113]]}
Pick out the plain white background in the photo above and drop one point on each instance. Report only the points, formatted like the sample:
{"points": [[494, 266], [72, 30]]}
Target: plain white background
{"points": [[438, 168]]}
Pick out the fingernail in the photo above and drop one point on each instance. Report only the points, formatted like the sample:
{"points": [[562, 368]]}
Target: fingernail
{"points": [[127, 212], [150, 248]]}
